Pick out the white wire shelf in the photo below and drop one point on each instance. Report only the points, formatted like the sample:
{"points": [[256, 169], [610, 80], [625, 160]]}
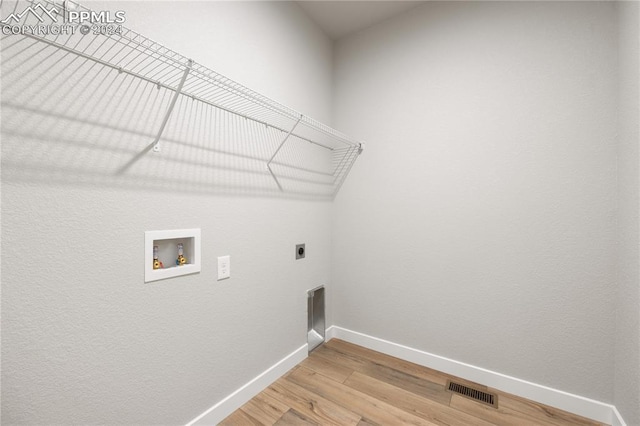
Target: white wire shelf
{"points": [[297, 151]]}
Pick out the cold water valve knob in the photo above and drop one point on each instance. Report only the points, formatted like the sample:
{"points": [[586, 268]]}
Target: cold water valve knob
{"points": [[181, 260]]}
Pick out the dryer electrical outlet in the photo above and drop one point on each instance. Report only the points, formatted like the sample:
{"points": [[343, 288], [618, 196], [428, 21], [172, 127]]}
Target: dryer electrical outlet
{"points": [[224, 267], [300, 251]]}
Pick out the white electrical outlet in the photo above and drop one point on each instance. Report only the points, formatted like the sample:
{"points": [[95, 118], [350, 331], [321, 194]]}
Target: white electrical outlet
{"points": [[224, 267]]}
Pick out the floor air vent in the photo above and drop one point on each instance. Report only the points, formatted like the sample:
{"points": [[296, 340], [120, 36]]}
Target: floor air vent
{"points": [[473, 393]]}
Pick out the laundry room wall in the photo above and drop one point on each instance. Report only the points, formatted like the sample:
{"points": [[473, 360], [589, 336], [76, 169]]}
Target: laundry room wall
{"points": [[480, 222], [627, 359], [84, 339]]}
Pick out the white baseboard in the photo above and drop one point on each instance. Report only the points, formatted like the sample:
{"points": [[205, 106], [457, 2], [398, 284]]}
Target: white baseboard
{"points": [[596, 410], [617, 418], [330, 333], [228, 405]]}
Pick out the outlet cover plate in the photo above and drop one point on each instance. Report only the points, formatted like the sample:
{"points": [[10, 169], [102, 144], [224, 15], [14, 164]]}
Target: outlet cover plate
{"points": [[224, 267]]}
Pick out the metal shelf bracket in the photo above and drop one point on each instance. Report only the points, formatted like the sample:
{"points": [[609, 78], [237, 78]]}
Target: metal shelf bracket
{"points": [[156, 141], [278, 150]]}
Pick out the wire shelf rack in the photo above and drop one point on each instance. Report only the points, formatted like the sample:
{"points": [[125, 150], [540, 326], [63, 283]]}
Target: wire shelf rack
{"points": [[297, 151]]}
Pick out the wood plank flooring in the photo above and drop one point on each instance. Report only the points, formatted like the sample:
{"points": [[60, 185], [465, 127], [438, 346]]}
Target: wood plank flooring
{"points": [[344, 384]]}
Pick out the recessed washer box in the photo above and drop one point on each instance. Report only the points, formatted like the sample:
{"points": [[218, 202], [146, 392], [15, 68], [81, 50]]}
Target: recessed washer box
{"points": [[167, 252]]}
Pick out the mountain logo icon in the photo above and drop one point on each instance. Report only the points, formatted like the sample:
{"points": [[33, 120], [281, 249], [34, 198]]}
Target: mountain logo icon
{"points": [[51, 13]]}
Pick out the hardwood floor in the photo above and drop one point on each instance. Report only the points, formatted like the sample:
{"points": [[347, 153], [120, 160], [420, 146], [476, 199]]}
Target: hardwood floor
{"points": [[344, 384]]}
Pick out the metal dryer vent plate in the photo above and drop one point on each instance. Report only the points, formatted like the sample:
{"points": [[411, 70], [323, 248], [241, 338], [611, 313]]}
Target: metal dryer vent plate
{"points": [[473, 393], [316, 322]]}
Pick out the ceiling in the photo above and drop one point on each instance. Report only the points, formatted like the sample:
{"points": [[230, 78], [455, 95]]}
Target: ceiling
{"points": [[341, 18]]}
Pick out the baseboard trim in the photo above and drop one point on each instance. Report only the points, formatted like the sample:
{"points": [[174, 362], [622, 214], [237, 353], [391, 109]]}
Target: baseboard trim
{"points": [[596, 410], [617, 418], [330, 333], [228, 405]]}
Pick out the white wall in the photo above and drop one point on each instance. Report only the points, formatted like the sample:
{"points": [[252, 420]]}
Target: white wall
{"points": [[84, 339], [480, 224], [627, 359]]}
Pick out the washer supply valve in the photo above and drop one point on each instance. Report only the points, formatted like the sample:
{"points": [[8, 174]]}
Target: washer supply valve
{"points": [[181, 260]]}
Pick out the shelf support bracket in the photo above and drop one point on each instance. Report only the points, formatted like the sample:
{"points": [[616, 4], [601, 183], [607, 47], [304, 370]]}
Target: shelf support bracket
{"points": [[278, 150], [156, 141]]}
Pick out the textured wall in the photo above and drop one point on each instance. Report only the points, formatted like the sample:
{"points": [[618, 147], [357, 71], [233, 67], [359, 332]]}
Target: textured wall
{"points": [[480, 224], [84, 339], [627, 361]]}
